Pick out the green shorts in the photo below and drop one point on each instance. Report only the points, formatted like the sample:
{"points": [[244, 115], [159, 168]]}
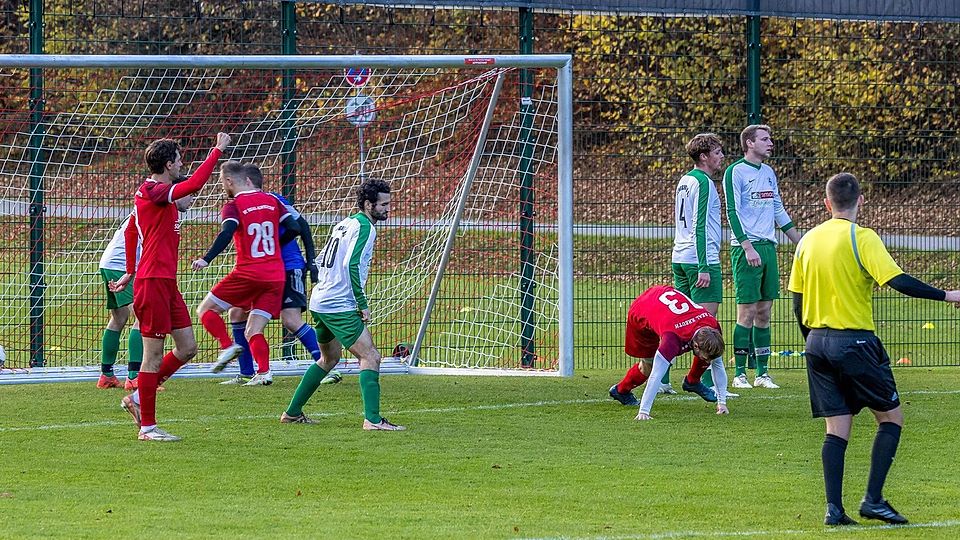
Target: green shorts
{"points": [[346, 327], [685, 277], [756, 283], [119, 299]]}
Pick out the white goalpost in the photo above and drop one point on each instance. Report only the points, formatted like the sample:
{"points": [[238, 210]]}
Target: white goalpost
{"points": [[472, 273]]}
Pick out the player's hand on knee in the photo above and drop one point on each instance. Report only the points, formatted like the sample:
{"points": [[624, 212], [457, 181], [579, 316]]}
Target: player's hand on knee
{"points": [[643, 416], [722, 409]]}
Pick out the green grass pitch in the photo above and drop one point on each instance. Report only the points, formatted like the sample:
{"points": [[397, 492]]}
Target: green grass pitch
{"points": [[483, 458]]}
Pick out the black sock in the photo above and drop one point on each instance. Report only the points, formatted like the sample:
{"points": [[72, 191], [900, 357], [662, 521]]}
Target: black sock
{"points": [[834, 449], [884, 448], [106, 369]]}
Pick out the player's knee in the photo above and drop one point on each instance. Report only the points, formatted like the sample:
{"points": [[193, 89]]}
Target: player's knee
{"points": [[188, 351]]}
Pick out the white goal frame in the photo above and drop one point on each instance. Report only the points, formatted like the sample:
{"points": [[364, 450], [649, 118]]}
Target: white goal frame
{"points": [[563, 227]]}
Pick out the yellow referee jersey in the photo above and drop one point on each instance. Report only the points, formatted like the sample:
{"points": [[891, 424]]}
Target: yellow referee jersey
{"points": [[835, 267]]}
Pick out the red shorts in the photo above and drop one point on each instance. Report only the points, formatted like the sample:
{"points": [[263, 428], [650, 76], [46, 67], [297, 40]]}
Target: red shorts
{"points": [[159, 307], [235, 290], [640, 341]]}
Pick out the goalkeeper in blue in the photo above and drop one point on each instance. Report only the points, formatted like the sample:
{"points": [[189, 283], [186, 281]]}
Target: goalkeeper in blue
{"points": [[340, 311]]}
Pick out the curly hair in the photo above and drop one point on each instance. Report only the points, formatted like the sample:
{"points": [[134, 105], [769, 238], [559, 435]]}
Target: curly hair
{"points": [[159, 153], [370, 190]]}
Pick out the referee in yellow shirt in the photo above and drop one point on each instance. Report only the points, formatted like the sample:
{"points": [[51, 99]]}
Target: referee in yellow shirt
{"points": [[835, 268]]}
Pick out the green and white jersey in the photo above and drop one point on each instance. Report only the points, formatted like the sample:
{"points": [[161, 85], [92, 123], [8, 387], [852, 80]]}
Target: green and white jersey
{"points": [[344, 264], [115, 256], [754, 207], [697, 220]]}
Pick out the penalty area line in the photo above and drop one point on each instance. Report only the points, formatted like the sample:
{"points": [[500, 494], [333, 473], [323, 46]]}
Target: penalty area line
{"points": [[758, 532]]}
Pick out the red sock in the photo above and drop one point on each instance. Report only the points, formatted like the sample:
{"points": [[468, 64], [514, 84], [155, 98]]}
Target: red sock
{"points": [[168, 367], [260, 351], [697, 368], [631, 380], [213, 323], [147, 386]]}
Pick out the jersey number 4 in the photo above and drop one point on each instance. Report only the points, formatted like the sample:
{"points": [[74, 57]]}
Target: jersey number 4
{"points": [[263, 242], [679, 305]]}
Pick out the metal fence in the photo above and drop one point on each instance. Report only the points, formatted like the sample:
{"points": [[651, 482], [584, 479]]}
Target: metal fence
{"points": [[878, 99]]}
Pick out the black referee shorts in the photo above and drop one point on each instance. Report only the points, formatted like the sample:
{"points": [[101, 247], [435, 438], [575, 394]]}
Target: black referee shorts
{"points": [[847, 371]]}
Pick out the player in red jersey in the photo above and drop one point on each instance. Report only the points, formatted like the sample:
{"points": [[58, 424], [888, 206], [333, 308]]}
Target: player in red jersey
{"points": [[157, 301], [253, 219], [662, 324]]}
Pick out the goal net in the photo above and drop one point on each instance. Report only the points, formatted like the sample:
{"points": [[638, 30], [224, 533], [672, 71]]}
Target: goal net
{"points": [[471, 271]]}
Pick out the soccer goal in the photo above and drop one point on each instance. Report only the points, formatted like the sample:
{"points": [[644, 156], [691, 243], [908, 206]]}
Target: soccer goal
{"points": [[472, 273]]}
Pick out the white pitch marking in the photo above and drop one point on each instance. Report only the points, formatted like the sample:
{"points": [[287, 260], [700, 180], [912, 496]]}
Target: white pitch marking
{"points": [[502, 406], [771, 533]]}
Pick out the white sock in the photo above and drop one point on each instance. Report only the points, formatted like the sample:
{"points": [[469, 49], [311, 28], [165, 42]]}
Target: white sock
{"points": [[144, 429], [135, 396]]}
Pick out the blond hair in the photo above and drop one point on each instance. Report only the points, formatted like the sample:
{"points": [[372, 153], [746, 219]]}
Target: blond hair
{"points": [[749, 133], [709, 341]]}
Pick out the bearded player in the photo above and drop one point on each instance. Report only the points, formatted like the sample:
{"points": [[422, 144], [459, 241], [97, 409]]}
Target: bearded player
{"points": [[663, 323]]}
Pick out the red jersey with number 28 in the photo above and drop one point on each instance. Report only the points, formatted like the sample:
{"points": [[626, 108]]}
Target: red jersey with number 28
{"points": [[257, 239], [668, 313]]}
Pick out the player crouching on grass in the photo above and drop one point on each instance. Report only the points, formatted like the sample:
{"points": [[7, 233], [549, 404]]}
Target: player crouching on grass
{"points": [[253, 219], [663, 323]]}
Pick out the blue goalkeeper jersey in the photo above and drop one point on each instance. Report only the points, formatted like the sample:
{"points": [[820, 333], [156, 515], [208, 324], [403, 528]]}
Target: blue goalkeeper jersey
{"points": [[292, 256]]}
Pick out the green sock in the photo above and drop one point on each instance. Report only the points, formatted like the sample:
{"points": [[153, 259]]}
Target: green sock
{"points": [[308, 385], [761, 340], [135, 351], [109, 348], [752, 356], [666, 378], [370, 392], [741, 348], [707, 378]]}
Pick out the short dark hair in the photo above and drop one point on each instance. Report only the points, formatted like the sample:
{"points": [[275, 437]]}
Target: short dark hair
{"points": [[252, 172], [843, 191], [159, 153], [703, 143], [370, 190], [232, 168], [749, 133]]}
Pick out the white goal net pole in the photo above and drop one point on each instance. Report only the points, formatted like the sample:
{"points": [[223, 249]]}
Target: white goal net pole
{"points": [[461, 204]]}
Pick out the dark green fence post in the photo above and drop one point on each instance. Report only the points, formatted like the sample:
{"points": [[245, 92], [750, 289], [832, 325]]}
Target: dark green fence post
{"points": [[288, 175], [753, 70], [527, 256], [38, 160]]}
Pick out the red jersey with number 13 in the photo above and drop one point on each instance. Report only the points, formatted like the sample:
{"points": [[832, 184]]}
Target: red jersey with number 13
{"points": [[257, 239], [666, 309]]}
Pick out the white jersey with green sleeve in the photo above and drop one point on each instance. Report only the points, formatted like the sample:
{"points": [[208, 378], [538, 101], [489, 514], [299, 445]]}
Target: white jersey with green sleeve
{"points": [[114, 257], [754, 207], [344, 264], [697, 221]]}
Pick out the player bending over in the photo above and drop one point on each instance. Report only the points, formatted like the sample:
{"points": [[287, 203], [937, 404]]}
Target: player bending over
{"points": [[663, 323], [252, 218]]}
